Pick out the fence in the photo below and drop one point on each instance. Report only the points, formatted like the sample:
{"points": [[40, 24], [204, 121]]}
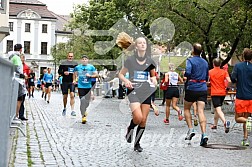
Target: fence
{"points": [[8, 100]]}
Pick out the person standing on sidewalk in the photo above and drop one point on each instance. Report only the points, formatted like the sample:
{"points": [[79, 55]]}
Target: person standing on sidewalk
{"points": [[196, 91], [242, 76], [14, 57], [141, 70], [48, 79], [217, 78], [66, 70], [84, 72], [172, 94]]}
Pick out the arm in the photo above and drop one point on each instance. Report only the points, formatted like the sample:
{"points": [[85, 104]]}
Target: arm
{"points": [[121, 76], [60, 71], [166, 77], [74, 76], [153, 76], [180, 79], [188, 69]]}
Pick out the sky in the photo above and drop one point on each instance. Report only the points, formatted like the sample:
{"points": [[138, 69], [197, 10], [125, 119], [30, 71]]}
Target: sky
{"points": [[63, 7]]}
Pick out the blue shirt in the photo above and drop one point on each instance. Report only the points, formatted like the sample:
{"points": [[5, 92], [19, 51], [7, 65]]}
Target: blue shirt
{"points": [[243, 80], [60, 79], [83, 80], [38, 82], [48, 78], [197, 70]]}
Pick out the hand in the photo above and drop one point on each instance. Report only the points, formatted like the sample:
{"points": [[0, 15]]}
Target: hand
{"points": [[88, 75], [66, 73], [74, 83], [128, 85]]}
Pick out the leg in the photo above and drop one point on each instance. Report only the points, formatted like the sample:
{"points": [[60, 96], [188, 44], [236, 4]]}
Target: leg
{"points": [[167, 110], [202, 118], [72, 100], [187, 113], [141, 127], [21, 110], [65, 100]]}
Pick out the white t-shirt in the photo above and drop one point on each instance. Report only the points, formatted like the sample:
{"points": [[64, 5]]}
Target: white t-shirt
{"points": [[173, 78]]}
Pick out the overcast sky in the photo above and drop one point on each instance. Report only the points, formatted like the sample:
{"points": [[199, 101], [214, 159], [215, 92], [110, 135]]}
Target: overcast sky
{"points": [[64, 7]]}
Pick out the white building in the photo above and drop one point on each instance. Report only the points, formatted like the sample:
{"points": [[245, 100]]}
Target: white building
{"points": [[37, 29], [4, 16]]}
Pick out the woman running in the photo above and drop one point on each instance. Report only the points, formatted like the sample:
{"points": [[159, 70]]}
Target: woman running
{"points": [[48, 78]]}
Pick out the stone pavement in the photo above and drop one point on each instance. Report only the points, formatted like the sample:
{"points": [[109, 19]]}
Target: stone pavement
{"points": [[53, 140]]}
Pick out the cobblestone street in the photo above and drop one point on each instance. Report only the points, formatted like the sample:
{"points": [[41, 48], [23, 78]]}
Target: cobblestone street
{"points": [[54, 140]]}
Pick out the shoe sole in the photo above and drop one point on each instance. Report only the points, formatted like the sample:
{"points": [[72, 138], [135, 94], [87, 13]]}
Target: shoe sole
{"points": [[204, 143], [191, 136], [137, 150], [227, 127]]}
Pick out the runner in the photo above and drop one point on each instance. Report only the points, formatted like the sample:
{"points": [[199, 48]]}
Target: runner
{"points": [[172, 93], [66, 70], [141, 70], [31, 84], [217, 78], [196, 91], [48, 78], [84, 72], [242, 76], [43, 82]]}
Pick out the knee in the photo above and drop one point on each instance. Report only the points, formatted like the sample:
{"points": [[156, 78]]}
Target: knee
{"points": [[138, 119]]}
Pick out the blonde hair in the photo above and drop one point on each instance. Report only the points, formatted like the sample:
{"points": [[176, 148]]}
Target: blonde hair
{"points": [[124, 41], [172, 66]]}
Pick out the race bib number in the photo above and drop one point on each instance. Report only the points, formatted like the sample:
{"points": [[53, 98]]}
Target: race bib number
{"points": [[140, 76], [70, 70], [32, 80]]}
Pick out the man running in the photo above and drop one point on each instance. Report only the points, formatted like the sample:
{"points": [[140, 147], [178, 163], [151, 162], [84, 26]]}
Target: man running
{"points": [[217, 77], [196, 91], [242, 76], [66, 70], [84, 72]]}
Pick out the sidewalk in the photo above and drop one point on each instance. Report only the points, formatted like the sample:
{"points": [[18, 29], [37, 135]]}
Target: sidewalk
{"points": [[53, 140]]}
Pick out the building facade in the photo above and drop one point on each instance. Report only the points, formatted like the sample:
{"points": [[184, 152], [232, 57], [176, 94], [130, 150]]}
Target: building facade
{"points": [[4, 16], [37, 29]]}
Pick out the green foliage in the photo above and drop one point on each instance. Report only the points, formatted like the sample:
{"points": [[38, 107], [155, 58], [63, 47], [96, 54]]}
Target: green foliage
{"points": [[209, 22]]}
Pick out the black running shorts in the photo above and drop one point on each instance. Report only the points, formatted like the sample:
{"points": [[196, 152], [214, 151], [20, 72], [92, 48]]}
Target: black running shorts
{"points": [[65, 86], [217, 100], [194, 96]]}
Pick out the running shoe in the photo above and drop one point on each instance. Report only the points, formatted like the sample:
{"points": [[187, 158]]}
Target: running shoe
{"points": [[190, 134], [84, 119], [138, 148], [204, 140], [213, 127], [129, 135], [195, 121], [64, 112], [166, 121], [180, 117], [245, 142], [73, 113], [155, 108], [48, 101], [227, 126]]}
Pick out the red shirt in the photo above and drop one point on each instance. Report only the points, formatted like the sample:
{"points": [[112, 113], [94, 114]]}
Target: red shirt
{"points": [[217, 81], [26, 69]]}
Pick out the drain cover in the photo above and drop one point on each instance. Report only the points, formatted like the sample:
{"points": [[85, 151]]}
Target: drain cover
{"points": [[225, 147]]}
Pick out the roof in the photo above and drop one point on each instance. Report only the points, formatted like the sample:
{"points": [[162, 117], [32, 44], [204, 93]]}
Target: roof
{"points": [[27, 2], [62, 21], [17, 6]]}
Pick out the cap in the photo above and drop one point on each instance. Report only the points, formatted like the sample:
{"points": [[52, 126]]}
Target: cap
{"points": [[85, 56], [17, 47]]}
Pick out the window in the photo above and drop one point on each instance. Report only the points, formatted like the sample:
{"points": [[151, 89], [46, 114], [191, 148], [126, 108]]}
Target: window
{"points": [[27, 27], [44, 48], [27, 47], [11, 26], [44, 28], [3, 4], [9, 46]]}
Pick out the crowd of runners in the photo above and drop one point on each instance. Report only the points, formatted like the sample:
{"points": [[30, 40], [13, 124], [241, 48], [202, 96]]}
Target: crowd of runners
{"points": [[141, 84]]}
